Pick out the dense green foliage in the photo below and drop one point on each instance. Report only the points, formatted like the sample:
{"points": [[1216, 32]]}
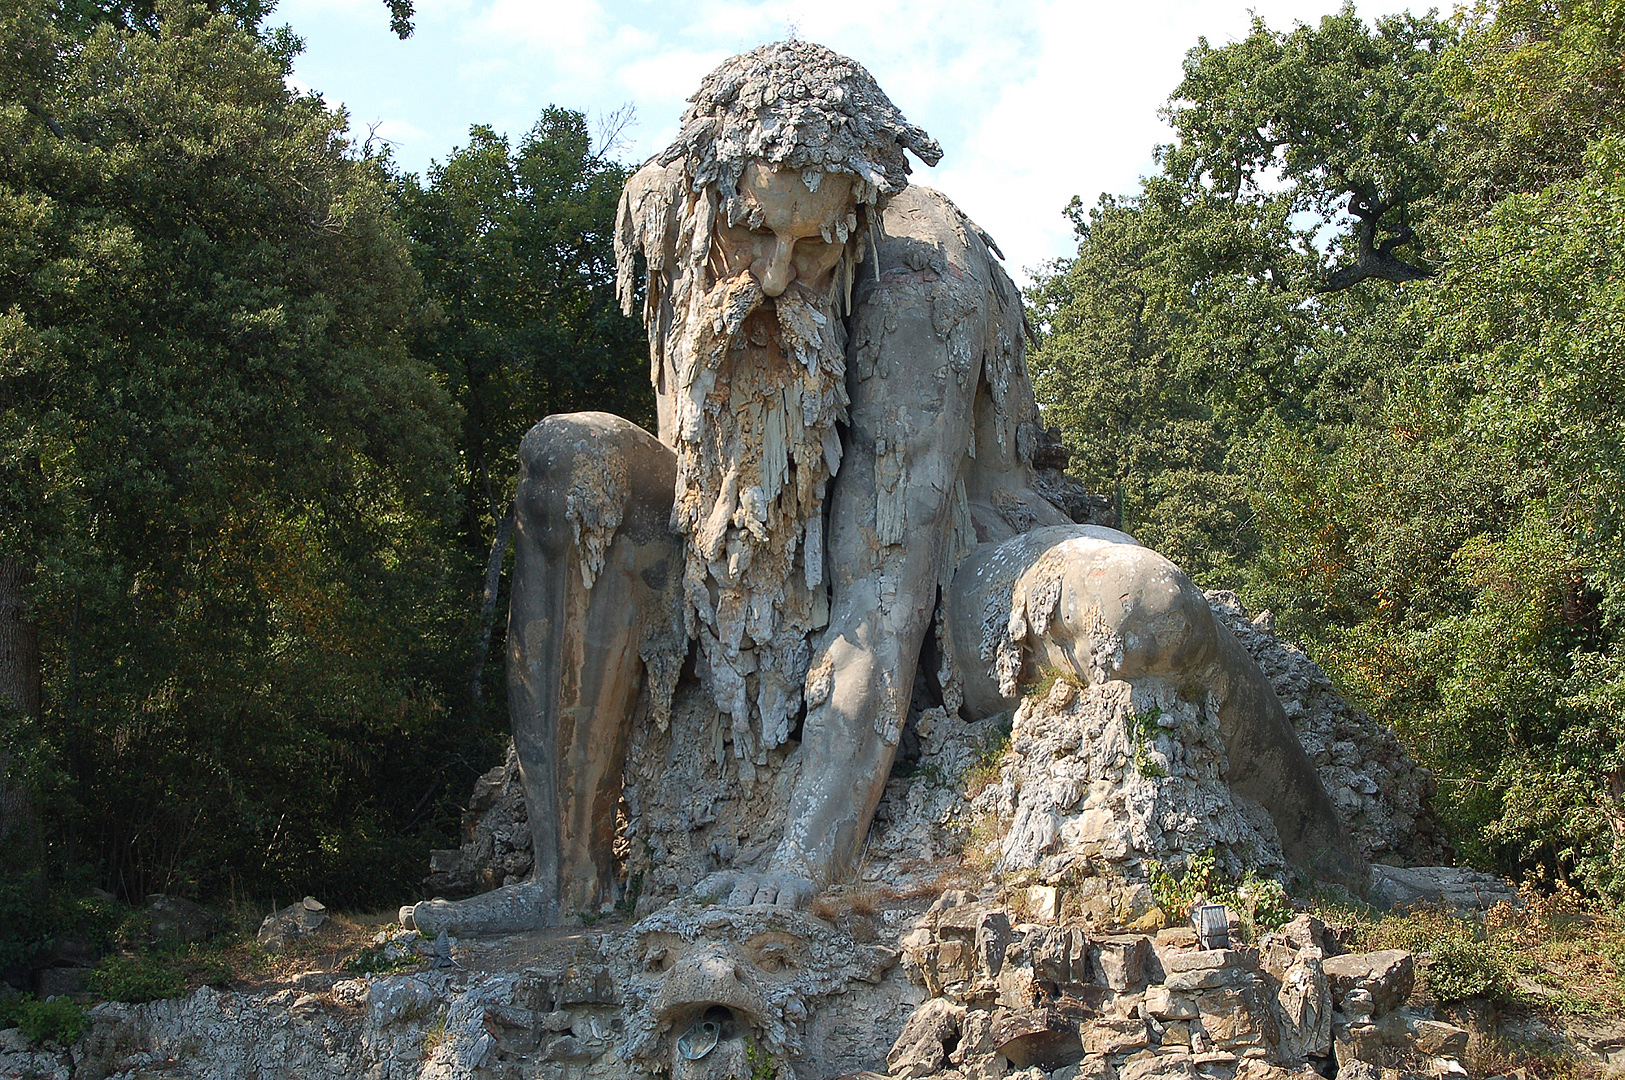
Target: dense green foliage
{"points": [[1421, 469], [515, 246], [243, 472]]}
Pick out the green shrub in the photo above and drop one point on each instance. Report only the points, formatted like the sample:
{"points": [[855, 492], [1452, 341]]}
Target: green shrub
{"points": [[1461, 968], [147, 977], [55, 1020]]}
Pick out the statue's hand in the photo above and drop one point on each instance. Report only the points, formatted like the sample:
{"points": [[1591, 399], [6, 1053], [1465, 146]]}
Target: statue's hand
{"points": [[739, 888]]}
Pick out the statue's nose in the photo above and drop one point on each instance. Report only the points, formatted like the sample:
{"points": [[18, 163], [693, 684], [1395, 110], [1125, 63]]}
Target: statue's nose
{"points": [[776, 273]]}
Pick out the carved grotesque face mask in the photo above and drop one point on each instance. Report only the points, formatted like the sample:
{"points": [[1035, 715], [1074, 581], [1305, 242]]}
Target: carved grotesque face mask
{"points": [[801, 232]]}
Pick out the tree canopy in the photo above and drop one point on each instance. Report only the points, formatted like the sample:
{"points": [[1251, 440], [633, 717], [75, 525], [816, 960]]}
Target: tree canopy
{"points": [[1355, 350]]}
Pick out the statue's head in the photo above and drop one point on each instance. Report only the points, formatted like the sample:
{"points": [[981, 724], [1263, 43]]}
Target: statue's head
{"points": [[783, 153], [795, 139], [752, 224]]}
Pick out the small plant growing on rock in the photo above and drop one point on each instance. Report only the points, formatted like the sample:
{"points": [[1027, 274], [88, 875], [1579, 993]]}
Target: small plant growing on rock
{"points": [[1143, 729], [144, 977]]}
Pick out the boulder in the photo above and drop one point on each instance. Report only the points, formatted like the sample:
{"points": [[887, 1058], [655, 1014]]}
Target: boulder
{"points": [[179, 921], [1120, 961], [1167, 1066], [281, 928], [1454, 887], [1113, 1035], [1388, 976], [922, 1047], [1304, 1004], [1058, 955], [1204, 969], [1164, 1004]]}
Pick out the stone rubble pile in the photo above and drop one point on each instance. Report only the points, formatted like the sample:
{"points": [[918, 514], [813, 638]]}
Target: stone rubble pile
{"points": [[495, 848], [1116, 774], [1056, 1001]]}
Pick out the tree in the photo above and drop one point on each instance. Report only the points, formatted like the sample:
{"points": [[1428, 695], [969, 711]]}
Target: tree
{"points": [[515, 244], [1340, 120], [1241, 291], [226, 475], [1461, 551]]}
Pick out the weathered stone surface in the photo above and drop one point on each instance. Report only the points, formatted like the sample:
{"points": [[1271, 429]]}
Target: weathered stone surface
{"points": [[992, 941], [1166, 1004], [1094, 1067], [1038, 1037], [1236, 1018], [1304, 1002], [1058, 954], [1204, 969], [922, 1047], [1166, 1066], [293, 922], [1380, 791], [977, 1057], [1121, 961], [1388, 976], [1109, 1035], [1455, 887]]}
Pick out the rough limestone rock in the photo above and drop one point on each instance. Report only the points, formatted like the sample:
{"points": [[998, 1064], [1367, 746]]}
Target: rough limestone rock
{"points": [[495, 848], [1383, 979], [1117, 773], [282, 928], [1458, 888]]}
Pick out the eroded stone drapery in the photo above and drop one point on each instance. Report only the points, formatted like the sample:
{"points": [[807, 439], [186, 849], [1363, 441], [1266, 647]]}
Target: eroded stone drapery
{"points": [[756, 438]]}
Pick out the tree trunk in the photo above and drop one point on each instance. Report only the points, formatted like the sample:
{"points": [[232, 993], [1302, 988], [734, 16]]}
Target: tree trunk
{"points": [[19, 640], [488, 612]]}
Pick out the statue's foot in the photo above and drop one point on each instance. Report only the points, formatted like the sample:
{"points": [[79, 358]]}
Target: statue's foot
{"points": [[511, 909], [739, 888]]}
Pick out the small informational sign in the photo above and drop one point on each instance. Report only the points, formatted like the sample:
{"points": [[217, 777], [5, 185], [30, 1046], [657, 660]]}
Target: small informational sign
{"points": [[1213, 926]]}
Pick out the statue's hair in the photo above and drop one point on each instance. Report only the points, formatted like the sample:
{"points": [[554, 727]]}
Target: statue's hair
{"points": [[797, 105]]}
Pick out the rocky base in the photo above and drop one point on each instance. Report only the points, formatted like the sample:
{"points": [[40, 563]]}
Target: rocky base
{"points": [[959, 987]]}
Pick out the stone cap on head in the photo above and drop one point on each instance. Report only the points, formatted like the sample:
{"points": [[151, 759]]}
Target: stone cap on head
{"points": [[797, 105]]}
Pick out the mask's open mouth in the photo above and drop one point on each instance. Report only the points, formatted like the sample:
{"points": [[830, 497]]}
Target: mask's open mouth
{"points": [[711, 1045]]}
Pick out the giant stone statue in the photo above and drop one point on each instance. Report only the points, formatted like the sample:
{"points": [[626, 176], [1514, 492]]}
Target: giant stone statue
{"points": [[842, 482]]}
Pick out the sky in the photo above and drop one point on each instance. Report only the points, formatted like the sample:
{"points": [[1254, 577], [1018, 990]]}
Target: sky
{"points": [[1033, 102]]}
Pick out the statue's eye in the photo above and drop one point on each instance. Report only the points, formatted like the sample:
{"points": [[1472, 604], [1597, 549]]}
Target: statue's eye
{"points": [[772, 963], [657, 960]]}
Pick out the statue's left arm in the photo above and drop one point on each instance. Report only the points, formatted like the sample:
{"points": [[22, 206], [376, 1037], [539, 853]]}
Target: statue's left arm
{"points": [[921, 330]]}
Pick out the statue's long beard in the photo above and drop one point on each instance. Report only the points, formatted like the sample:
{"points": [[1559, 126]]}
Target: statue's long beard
{"points": [[759, 393]]}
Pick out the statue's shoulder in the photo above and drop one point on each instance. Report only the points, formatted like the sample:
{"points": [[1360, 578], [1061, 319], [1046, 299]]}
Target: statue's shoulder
{"points": [[920, 215]]}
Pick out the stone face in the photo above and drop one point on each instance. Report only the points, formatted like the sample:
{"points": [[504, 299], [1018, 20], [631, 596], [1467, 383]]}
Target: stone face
{"points": [[1388, 976]]}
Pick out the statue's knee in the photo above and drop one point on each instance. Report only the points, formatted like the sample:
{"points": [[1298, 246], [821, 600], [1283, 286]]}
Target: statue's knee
{"points": [[1161, 618]]}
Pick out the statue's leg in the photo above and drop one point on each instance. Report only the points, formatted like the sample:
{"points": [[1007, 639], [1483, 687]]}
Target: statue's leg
{"points": [[593, 557], [891, 511], [1095, 602]]}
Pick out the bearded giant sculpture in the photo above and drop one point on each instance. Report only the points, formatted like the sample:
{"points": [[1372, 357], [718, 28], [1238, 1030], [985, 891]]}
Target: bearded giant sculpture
{"points": [[841, 483]]}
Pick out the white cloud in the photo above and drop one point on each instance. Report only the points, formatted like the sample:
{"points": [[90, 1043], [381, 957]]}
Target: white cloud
{"points": [[1034, 101]]}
